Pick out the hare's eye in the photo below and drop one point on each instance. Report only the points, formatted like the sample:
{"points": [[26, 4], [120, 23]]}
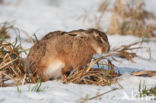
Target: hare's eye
{"points": [[72, 34], [98, 38]]}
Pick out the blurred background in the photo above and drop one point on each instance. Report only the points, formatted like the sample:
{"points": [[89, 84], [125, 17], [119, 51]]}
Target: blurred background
{"points": [[124, 17]]}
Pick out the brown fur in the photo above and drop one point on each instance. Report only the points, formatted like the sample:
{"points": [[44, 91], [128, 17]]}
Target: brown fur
{"points": [[52, 35], [75, 49]]}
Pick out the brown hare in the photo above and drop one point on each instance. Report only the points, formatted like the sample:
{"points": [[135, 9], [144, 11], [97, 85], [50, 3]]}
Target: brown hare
{"points": [[60, 52]]}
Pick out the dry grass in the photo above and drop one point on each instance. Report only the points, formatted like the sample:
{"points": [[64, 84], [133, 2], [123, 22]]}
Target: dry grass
{"points": [[129, 17], [144, 73], [106, 75], [12, 65], [4, 27], [96, 76], [91, 21], [94, 21], [87, 98]]}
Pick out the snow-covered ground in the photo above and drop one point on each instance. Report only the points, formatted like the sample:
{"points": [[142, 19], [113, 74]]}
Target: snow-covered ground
{"points": [[43, 16], [56, 92]]}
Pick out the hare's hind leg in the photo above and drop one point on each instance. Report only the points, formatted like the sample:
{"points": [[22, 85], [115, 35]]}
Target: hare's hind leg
{"points": [[66, 72], [53, 69]]}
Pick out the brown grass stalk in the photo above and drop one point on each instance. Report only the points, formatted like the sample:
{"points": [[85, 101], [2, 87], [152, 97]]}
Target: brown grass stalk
{"points": [[144, 73]]}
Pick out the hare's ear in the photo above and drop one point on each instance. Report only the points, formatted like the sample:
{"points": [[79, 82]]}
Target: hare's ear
{"points": [[99, 37], [72, 34]]}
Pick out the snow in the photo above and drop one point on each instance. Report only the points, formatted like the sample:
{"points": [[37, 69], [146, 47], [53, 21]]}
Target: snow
{"points": [[41, 17], [56, 92]]}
